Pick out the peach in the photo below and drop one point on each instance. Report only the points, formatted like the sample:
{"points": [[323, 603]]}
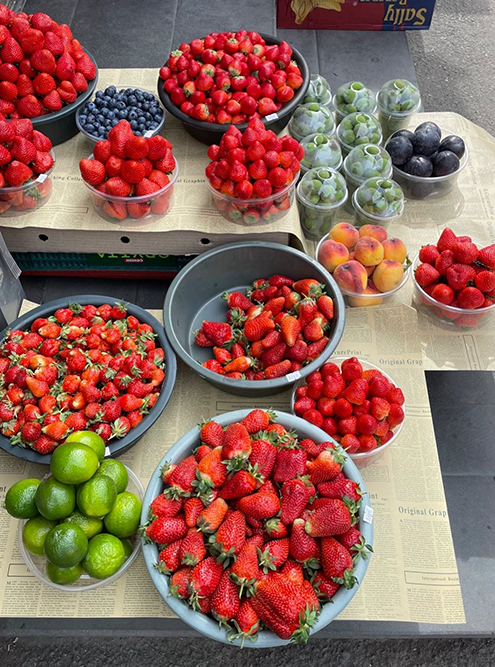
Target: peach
{"points": [[351, 277], [345, 233], [388, 275], [368, 251], [369, 270], [332, 253], [375, 231], [359, 301], [394, 248]]}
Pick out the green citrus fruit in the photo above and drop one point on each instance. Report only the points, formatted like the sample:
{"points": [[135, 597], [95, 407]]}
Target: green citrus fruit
{"points": [[116, 471], [91, 439], [128, 547], [54, 499], [19, 501], [105, 556], [123, 518], [74, 463], [63, 575], [34, 533], [96, 497], [65, 545], [89, 525]]}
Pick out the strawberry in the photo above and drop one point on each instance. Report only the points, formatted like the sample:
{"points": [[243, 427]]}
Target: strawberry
{"points": [[56, 430], [340, 488], [211, 517], [230, 537], [192, 549], [17, 173], [426, 274], [465, 252], [218, 332], [290, 328], [447, 240], [236, 445], [260, 505], [12, 51], [211, 433], [326, 466], [165, 507], [166, 529], [486, 256], [245, 571], [181, 479], [332, 519], [274, 554], [204, 580], [168, 558], [44, 445], [290, 463], [354, 542], [211, 471], [179, 583], [263, 456], [459, 275], [485, 281], [192, 509], [52, 101], [278, 370], [295, 494], [37, 387], [324, 587], [30, 432], [429, 254], [257, 420], [241, 484], [302, 546], [255, 329], [470, 298], [225, 601], [275, 528], [92, 171], [337, 562]]}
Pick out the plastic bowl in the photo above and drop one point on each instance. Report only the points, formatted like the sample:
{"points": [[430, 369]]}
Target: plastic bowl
{"points": [[37, 564], [391, 95], [116, 447], [95, 138], [355, 299], [211, 133], [355, 97], [16, 201], [362, 217], [254, 211], [195, 295], [206, 625], [369, 126], [361, 459], [61, 126], [449, 316], [144, 208], [324, 152], [318, 219], [436, 187]]}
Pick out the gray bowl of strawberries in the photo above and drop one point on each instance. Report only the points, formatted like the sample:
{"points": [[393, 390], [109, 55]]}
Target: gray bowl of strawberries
{"points": [[292, 612]]}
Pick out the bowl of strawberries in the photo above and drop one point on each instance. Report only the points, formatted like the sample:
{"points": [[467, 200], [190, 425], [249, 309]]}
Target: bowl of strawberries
{"points": [[85, 363], [454, 281], [230, 77], [130, 177], [257, 529]]}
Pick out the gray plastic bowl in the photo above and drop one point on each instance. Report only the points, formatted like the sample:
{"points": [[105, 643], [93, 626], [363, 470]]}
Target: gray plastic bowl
{"points": [[195, 295], [116, 447], [206, 625]]}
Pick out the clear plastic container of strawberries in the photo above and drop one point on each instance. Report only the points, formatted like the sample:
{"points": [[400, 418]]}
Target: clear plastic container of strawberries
{"points": [[43, 67], [26, 162], [252, 174], [260, 529]]}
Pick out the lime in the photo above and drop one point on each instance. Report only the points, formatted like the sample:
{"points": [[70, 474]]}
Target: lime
{"points": [[65, 545], [96, 496], [34, 533], [105, 556], [91, 439], [123, 518], [63, 575], [89, 526], [19, 501], [54, 499], [116, 471], [128, 547], [74, 463]]}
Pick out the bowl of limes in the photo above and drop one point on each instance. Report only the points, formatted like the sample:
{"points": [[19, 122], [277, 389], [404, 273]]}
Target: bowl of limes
{"points": [[78, 527]]}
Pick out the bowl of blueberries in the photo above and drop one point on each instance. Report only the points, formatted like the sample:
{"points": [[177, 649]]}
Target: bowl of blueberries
{"points": [[427, 162], [139, 106]]}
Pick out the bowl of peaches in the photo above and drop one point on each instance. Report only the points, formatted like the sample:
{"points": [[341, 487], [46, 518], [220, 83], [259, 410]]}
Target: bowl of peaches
{"points": [[367, 264]]}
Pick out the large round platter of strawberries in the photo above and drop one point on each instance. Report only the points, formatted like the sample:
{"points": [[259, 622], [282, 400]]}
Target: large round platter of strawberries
{"points": [[258, 528], [231, 77], [85, 363]]}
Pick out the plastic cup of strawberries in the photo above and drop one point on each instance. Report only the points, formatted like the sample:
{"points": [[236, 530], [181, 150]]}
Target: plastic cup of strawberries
{"points": [[252, 524], [454, 282], [130, 178], [252, 174], [355, 403], [27, 161]]}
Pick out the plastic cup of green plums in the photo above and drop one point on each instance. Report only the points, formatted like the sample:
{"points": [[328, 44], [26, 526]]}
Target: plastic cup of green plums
{"points": [[378, 201], [351, 98], [358, 129], [318, 91], [363, 162], [398, 100], [321, 193], [321, 150], [310, 119]]}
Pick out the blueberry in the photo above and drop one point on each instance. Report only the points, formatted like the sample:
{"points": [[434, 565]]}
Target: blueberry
{"points": [[426, 141], [403, 133], [400, 150], [111, 115], [90, 128], [419, 165], [445, 163], [83, 118], [100, 118], [91, 118], [142, 127], [132, 100], [132, 115], [138, 133], [123, 113], [111, 105], [141, 120], [119, 97], [106, 98], [111, 90], [133, 124], [454, 144], [158, 118], [115, 122], [129, 91], [145, 106], [430, 127], [91, 106], [99, 93], [120, 105], [104, 112]]}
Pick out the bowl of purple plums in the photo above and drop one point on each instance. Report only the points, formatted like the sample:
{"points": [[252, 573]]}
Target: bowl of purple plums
{"points": [[427, 161]]}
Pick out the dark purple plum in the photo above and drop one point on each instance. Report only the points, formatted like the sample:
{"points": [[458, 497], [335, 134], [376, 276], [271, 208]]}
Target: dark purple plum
{"points": [[400, 150], [429, 126], [403, 133], [446, 162], [454, 144], [426, 141], [419, 165]]}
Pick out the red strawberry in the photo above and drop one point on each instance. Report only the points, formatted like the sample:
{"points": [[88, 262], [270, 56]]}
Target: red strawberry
{"points": [[179, 583], [203, 580], [340, 487], [354, 542], [44, 445], [211, 517], [12, 51], [290, 463], [166, 507], [166, 529], [326, 466], [429, 254], [86, 66], [274, 554], [57, 430], [337, 562], [263, 455], [192, 549], [255, 329], [332, 519], [30, 432], [459, 275], [17, 173], [245, 570], [229, 539], [275, 528], [241, 484], [192, 509], [260, 505], [218, 332], [485, 281], [168, 558], [302, 547], [225, 601], [486, 256], [324, 587], [295, 494], [465, 252], [246, 622], [447, 240], [92, 171], [212, 471], [278, 370], [236, 445], [181, 478], [426, 274], [258, 420], [470, 298]]}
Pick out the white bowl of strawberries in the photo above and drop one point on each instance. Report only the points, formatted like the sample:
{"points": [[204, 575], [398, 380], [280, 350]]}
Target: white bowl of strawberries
{"points": [[454, 281], [241, 548]]}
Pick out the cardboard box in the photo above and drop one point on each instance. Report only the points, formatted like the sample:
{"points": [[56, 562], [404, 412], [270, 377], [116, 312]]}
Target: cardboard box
{"points": [[355, 14]]}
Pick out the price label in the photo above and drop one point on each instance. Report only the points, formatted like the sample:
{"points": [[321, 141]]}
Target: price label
{"points": [[292, 377], [368, 514]]}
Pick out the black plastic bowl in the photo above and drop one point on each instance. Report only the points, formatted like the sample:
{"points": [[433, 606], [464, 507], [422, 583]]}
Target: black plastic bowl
{"points": [[211, 133], [120, 446], [60, 126], [195, 295]]}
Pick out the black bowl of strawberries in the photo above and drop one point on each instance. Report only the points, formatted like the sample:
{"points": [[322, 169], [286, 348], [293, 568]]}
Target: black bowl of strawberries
{"points": [[84, 363], [227, 78]]}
